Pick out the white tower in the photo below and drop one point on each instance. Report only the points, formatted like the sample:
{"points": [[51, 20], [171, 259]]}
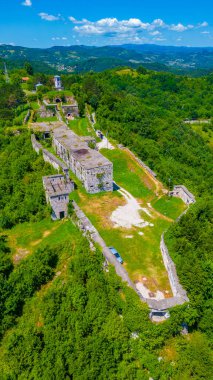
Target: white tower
{"points": [[57, 80]]}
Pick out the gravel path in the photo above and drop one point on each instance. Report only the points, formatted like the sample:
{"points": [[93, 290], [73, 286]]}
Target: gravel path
{"points": [[129, 215]]}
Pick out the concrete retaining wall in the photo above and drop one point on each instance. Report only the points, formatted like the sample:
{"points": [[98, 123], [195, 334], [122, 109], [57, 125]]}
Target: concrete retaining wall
{"points": [[182, 192], [176, 287], [141, 163], [27, 117], [49, 157], [180, 296], [86, 226], [35, 144]]}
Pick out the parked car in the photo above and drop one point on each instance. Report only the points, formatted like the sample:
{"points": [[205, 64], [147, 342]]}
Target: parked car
{"points": [[116, 254]]}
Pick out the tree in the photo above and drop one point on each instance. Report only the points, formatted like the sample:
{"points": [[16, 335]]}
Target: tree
{"points": [[29, 68]]}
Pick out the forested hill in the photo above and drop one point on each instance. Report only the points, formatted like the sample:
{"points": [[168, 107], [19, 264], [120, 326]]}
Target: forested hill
{"points": [[193, 61], [147, 112], [62, 316]]}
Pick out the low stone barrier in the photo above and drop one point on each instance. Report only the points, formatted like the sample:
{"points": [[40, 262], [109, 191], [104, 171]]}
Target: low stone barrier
{"points": [[48, 156], [179, 294], [182, 192], [27, 117], [35, 144], [141, 163], [176, 287], [86, 226]]}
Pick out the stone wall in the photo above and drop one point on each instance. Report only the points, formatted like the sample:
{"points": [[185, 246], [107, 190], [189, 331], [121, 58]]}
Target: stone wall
{"points": [[176, 287], [94, 179], [44, 112], [35, 144], [179, 294], [27, 117], [49, 157], [141, 163], [92, 234], [182, 192], [99, 179], [71, 110]]}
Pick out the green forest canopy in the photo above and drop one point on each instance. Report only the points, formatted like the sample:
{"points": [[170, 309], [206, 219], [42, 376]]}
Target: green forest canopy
{"points": [[86, 323]]}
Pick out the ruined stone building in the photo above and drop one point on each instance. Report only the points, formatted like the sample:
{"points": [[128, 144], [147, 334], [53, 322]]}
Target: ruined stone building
{"points": [[57, 189], [90, 167], [70, 110], [182, 192]]}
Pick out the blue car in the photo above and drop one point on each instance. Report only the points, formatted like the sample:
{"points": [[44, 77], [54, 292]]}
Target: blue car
{"points": [[116, 254]]}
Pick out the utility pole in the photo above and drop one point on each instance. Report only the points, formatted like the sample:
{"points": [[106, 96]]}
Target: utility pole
{"points": [[6, 73]]}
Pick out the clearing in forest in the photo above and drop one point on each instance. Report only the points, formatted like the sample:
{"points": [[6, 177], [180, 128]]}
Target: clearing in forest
{"points": [[133, 219]]}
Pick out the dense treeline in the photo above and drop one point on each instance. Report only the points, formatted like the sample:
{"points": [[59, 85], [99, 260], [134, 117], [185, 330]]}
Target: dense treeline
{"points": [[146, 112], [21, 192], [88, 325], [84, 323], [190, 243], [18, 284], [11, 96]]}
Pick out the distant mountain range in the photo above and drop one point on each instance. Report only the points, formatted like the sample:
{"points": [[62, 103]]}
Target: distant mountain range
{"points": [[81, 58]]}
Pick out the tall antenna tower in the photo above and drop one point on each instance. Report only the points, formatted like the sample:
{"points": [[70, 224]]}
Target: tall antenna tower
{"points": [[6, 73]]}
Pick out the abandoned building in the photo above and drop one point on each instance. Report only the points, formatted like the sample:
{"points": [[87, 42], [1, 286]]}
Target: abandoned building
{"points": [[90, 167], [182, 192], [57, 189], [70, 110]]}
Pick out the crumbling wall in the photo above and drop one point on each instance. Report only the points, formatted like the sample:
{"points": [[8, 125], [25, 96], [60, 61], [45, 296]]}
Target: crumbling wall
{"points": [[176, 287], [182, 192], [49, 157], [35, 144], [141, 163], [99, 179]]}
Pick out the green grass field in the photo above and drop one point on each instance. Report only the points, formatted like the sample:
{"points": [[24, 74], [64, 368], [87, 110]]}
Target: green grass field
{"points": [[34, 105], [46, 119], [141, 253], [81, 127], [25, 238], [169, 206]]}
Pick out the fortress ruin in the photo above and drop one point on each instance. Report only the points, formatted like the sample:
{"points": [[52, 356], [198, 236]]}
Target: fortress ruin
{"points": [[90, 167], [57, 189]]}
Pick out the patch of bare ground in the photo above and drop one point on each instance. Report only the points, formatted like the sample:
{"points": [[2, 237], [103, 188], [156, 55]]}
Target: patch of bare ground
{"points": [[153, 285], [103, 207], [36, 242], [20, 254]]}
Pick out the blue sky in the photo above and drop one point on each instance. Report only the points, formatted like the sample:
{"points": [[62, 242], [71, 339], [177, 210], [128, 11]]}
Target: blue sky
{"points": [[44, 23]]}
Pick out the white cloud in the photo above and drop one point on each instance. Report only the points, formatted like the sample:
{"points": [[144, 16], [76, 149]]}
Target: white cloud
{"points": [[158, 23], [59, 38], [155, 33], [159, 39], [132, 29], [178, 28], [203, 24], [205, 32], [27, 3], [47, 17]]}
